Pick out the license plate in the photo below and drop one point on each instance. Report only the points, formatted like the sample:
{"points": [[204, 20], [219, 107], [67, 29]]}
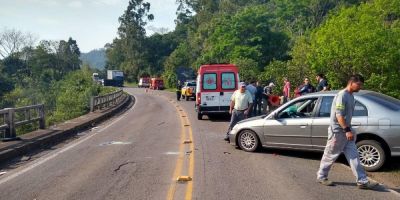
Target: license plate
{"points": [[210, 98]]}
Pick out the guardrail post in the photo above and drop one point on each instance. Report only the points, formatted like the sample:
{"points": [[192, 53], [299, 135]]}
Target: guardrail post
{"points": [[42, 123], [10, 131], [91, 104]]}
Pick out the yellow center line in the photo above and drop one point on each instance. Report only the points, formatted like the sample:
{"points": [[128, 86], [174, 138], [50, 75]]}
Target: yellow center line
{"points": [[189, 188], [180, 160], [179, 164]]}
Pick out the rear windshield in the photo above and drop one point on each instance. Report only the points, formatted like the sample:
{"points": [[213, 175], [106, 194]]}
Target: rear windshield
{"points": [[384, 100], [228, 80], [210, 81]]}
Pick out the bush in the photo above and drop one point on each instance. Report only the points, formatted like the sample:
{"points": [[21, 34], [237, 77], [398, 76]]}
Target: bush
{"points": [[73, 98]]}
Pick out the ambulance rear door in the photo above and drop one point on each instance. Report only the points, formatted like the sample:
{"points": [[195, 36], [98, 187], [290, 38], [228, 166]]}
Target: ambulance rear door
{"points": [[210, 92], [229, 82]]}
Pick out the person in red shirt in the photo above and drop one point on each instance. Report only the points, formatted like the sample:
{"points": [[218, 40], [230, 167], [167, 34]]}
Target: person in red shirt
{"points": [[286, 90]]}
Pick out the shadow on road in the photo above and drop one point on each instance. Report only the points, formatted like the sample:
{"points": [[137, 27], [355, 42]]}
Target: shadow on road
{"points": [[391, 170], [219, 117], [393, 165], [292, 153]]}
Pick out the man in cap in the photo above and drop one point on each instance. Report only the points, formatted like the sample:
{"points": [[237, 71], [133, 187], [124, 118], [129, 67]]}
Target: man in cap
{"points": [[240, 106]]}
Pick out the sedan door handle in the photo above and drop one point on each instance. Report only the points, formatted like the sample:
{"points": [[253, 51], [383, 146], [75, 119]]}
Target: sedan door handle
{"points": [[355, 125], [303, 126]]}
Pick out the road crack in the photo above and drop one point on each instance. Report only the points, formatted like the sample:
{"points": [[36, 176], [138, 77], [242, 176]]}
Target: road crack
{"points": [[123, 164]]}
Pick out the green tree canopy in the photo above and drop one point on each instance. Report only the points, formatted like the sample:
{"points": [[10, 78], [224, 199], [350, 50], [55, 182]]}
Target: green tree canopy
{"points": [[361, 39]]}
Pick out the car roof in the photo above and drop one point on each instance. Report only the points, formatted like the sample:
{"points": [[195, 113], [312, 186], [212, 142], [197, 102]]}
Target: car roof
{"points": [[333, 92]]}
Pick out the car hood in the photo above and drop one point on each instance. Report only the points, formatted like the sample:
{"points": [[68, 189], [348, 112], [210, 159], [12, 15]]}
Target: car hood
{"points": [[252, 119]]}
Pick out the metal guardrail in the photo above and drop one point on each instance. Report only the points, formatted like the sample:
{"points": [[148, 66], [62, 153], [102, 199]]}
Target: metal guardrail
{"points": [[11, 118], [105, 101]]}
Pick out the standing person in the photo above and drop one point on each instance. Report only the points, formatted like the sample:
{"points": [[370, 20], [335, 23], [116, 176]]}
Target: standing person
{"points": [[341, 137], [306, 87], [266, 95], [240, 106], [259, 94], [252, 89], [322, 83], [286, 90], [178, 90]]}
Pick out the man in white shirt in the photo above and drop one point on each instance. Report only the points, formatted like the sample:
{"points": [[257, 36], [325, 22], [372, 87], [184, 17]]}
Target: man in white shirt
{"points": [[240, 107]]}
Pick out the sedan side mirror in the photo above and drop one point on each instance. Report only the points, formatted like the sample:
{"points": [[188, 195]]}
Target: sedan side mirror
{"points": [[275, 115]]}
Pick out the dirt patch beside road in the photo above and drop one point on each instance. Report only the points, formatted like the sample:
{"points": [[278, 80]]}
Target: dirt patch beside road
{"points": [[389, 175]]}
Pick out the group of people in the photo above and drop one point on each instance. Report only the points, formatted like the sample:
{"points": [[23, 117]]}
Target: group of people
{"points": [[341, 136], [260, 95], [254, 99], [249, 100], [307, 87]]}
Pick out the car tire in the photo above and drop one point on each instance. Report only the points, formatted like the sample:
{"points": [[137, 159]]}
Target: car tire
{"points": [[248, 141], [199, 116], [372, 155]]}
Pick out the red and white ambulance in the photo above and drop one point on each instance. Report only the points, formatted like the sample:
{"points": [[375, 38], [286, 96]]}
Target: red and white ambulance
{"points": [[215, 86]]}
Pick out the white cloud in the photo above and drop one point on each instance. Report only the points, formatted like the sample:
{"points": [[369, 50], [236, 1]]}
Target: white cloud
{"points": [[45, 2], [75, 4], [47, 21], [107, 2]]}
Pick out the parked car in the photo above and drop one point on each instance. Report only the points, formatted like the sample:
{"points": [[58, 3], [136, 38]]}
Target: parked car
{"points": [[189, 90], [215, 86], [302, 123]]}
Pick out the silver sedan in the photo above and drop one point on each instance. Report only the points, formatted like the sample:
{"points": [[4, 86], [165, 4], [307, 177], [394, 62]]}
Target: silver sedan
{"points": [[302, 124]]}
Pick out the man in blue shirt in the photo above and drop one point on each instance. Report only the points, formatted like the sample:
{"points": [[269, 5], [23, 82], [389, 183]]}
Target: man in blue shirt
{"points": [[322, 83]]}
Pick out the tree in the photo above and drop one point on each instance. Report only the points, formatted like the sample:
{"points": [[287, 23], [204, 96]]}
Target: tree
{"points": [[13, 41], [132, 34], [245, 35], [361, 39], [6, 84]]}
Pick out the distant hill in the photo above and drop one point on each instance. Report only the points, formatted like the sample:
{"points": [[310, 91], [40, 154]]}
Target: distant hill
{"points": [[95, 58]]}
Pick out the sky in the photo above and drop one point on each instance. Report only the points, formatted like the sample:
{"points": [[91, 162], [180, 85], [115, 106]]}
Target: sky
{"points": [[92, 23]]}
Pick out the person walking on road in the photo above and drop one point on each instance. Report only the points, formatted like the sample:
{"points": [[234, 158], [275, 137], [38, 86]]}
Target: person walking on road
{"points": [[178, 90], [240, 106], [341, 136]]}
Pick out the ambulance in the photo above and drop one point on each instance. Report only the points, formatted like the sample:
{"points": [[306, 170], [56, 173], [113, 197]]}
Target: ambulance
{"points": [[215, 85]]}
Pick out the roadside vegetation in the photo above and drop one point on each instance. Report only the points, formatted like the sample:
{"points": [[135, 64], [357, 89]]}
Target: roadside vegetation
{"points": [[49, 73], [268, 40]]}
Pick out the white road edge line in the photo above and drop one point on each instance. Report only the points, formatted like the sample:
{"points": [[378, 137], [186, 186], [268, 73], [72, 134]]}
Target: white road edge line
{"points": [[43, 160]]}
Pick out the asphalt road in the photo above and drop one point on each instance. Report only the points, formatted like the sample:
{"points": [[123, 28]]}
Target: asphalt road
{"points": [[141, 153]]}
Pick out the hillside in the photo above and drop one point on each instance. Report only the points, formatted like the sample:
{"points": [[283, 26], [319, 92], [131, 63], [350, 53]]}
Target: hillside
{"points": [[95, 58]]}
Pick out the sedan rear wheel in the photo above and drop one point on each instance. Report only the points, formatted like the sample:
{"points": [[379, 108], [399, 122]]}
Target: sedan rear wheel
{"points": [[372, 155], [248, 141]]}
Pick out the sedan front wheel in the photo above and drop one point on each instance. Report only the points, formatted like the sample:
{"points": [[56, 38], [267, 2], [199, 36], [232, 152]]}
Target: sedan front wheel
{"points": [[248, 141]]}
